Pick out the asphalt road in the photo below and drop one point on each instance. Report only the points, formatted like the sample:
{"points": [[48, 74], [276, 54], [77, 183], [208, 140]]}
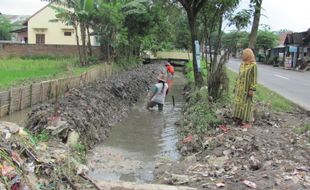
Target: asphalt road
{"points": [[292, 85]]}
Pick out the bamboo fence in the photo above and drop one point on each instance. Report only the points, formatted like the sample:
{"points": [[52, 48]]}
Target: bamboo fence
{"points": [[19, 98]]}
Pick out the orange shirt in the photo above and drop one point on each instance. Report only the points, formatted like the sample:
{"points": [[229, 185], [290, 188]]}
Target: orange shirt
{"points": [[170, 69]]}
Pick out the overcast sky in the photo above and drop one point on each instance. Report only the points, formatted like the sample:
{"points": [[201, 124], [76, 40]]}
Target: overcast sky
{"points": [[278, 14]]}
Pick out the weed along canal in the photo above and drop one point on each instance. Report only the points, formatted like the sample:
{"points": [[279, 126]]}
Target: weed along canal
{"points": [[136, 143]]}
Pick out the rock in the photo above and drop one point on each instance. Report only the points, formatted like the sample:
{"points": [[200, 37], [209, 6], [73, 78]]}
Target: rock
{"points": [[255, 164], [180, 179], [12, 127], [220, 185], [2, 186], [73, 139], [21, 132], [227, 152], [218, 162]]}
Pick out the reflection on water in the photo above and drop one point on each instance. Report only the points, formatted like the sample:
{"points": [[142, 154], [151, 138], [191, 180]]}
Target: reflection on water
{"points": [[138, 141]]}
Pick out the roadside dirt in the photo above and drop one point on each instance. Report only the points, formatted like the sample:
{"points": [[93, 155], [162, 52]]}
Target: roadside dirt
{"points": [[273, 154]]}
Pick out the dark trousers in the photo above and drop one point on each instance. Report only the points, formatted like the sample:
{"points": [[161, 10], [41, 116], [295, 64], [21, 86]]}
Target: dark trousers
{"points": [[152, 104]]}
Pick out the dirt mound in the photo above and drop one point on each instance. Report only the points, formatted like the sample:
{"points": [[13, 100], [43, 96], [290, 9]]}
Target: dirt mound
{"points": [[273, 154], [92, 110]]}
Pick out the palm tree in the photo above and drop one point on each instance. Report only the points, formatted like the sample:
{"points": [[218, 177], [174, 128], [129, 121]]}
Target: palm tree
{"points": [[76, 13]]}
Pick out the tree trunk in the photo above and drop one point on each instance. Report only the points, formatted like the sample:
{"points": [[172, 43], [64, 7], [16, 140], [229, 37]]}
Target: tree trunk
{"points": [[192, 25], [255, 25], [78, 43], [90, 52], [83, 38], [218, 43]]}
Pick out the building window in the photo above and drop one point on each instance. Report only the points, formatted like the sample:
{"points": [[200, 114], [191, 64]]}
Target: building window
{"points": [[67, 33], [40, 39]]}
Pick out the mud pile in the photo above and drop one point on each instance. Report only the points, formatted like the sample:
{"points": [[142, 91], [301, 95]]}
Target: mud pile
{"points": [[93, 109]]}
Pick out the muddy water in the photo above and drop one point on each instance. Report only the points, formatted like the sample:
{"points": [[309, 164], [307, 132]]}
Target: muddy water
{"points": [[19, 117], [139, 141]]}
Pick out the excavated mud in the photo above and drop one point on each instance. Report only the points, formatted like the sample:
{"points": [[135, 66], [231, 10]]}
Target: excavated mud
{"points": [[93, 109]]}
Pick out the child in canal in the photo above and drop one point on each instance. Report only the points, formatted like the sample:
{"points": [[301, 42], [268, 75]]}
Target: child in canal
{"points": [[158, 93]]}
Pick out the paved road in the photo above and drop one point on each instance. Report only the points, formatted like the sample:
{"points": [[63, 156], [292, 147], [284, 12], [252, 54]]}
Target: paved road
{"points": [[293, 85]]}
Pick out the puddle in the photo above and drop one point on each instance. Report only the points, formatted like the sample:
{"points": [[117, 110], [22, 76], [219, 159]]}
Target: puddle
{"points": [[139, 141], [19, 117]]}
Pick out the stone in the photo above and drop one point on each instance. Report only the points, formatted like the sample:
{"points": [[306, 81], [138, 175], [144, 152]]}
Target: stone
{"points": [[218, 162], [73, 138], [255, 164]]}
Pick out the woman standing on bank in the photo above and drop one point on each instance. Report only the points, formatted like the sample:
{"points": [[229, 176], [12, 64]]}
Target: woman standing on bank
{"points": [[244, 89]]}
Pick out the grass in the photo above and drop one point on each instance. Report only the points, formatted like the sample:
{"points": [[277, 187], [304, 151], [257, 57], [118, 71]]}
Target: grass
{"points": [[190, 70], [303, 129], [264, 95], [16, 71]]}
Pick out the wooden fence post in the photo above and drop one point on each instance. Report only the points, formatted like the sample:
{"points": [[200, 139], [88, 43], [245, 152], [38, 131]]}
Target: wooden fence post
{"points": [[30, 94], [20, 98], [10, 101], [41, 92], [49, 91], [0, 106], [56, 91]]}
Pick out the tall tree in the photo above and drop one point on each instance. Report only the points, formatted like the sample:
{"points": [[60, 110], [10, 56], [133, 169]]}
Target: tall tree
{"points": [[240, 20], [192, 8], [5, 27], [257, 4], [76, 13], [217, 77]]}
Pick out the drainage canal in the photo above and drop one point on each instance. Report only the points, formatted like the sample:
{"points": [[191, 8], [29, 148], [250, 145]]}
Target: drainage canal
{"points": [[139, 141]]}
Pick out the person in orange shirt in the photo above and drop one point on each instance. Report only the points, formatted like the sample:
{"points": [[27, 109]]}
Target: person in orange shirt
{"points": [[170, 74]]}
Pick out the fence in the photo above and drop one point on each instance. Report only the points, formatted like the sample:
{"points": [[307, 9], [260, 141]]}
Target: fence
{"points": [[17, 99], [18, 49]]}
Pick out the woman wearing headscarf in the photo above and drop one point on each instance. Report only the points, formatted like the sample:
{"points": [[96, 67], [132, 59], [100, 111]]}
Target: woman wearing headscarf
{"points": [[244, 89]]}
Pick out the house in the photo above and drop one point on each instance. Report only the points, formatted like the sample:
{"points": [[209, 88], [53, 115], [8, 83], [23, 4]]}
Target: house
{"points": [[277, 54], [293, 50], [43, 28], [298, 48]]}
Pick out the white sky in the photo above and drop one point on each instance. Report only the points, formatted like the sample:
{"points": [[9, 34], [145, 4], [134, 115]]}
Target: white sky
{"points": [[278, 14]]}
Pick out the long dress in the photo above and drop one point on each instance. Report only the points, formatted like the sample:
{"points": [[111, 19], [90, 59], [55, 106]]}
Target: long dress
{"points": [[246, 81]]}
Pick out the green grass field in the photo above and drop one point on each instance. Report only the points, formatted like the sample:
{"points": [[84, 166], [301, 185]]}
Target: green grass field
{"points": [[17, 71]]}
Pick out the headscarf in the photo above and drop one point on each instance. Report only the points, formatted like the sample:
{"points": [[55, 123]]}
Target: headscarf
{"points": [[248, 56]]}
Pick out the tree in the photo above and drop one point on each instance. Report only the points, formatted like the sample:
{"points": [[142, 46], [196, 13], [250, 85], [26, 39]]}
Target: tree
{"points": [[107, 23], [257, 4], [76, 13], [234, 40], [217, 77], [5, 28], [192, 8], [240, 20], [266, 39]]}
